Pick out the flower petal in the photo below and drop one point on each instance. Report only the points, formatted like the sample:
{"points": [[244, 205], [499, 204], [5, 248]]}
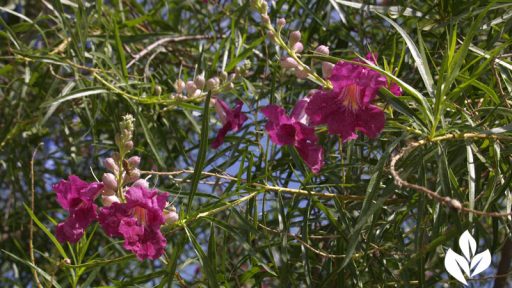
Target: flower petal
{"points": [[370, 121], [312, 154]]}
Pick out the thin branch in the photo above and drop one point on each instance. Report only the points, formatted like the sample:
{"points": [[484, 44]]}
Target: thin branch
{"points": [[269, 187], [454, 203], [167, 40], [31, 226]]}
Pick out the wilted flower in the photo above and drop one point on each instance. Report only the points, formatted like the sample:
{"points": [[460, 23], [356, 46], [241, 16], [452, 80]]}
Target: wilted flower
{"points": [[231, 119], [77, 197], [138, 221], [347, 107], [294, 131]]}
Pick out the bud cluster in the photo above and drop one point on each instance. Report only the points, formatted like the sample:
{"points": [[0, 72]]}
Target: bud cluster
{"points": [[216, 84], [293, 47], [124, 139], [124, 173]]}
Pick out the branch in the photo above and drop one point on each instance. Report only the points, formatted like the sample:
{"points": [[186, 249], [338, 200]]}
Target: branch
{"points": [[454, 203]]}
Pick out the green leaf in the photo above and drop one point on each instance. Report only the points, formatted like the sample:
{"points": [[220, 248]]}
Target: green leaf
{"points": [[208, 267], [46, 231]]}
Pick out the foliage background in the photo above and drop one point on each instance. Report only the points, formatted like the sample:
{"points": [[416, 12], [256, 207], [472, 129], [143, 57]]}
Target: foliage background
{"points": [[64, 81]]}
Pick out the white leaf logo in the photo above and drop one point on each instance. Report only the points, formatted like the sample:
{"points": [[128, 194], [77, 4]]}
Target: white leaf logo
{"points": [[469, 264]]}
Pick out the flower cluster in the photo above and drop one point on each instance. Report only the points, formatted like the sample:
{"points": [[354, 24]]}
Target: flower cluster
{"points": [[345, 109], [130, 208], [344, 102]]}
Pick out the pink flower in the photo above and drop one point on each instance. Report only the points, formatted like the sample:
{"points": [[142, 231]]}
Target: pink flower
{"points": [[231, 119], [138, 221], [77, 197], [294, 131], [347, 107]]}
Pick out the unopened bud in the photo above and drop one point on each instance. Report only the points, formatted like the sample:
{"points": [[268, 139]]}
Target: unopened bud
{"points": [[109, 181], [223, 76], [281, 22], [322, 49], [116, 156], [265, 19], [108, 200], [199, 81], [288, 63], [158, 90], [294, 38], [327, 69], [455, 204], [298, 47], [128, 145], [134, 161], [212, 83], [191, 88], [110, 164], [263, 7], [142, 183], [300, 73], [171, 216], [134, 175], [67, 261], [180, 86]]}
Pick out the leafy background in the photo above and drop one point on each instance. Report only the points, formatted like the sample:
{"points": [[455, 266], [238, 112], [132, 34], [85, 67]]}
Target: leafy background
{"points": [[67, 77]]}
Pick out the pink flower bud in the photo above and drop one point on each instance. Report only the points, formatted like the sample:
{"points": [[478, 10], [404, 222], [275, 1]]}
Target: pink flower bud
{"points": [[322, 49], [294, 38], [171, 216], [199, 81], [108, 200], [134, 161], [128, 145], [133, 176], [298, 47], [265, 19], [109, 181], [110, 164], [180, 86], [327, 69], [281, 22], [301, 74], [288, 63], [142, 183], [191, 88]]}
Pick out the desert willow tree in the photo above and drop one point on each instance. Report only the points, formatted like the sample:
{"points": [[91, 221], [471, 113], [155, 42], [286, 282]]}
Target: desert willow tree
{"points": [[255, 144]]}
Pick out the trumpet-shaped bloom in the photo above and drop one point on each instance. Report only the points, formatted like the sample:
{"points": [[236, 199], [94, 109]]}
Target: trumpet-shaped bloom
{"points": [[294, 131], [347, 107], [231, 119], [77, 197], [138, 221]]}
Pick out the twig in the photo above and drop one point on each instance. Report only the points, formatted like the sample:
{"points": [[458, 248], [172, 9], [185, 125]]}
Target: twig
{"points": [[166, 40], [454, 203], [268, 187], [317, 251], [31, 227]]}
